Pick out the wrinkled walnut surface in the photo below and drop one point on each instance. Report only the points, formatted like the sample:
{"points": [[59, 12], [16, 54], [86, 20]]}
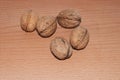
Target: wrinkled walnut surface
{"points": [[69, 18], [46, 26], [79, 38], [29, 21], [60, 48]]}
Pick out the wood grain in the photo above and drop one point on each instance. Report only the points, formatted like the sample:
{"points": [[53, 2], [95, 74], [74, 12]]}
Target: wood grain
{"points": [[26, 56]]}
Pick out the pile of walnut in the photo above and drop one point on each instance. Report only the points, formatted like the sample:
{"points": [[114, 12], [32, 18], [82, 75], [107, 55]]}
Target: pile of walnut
{"points": [[47, 25]]}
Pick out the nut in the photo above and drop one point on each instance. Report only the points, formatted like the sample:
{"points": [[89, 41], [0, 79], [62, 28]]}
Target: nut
{"points": [[46, 26], [79, 38], [69, 18], [28, 21], [60, 48]]}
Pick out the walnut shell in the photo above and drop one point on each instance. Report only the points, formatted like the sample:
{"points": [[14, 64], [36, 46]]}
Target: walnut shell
{"points": [[46, 26], [28, 21], [60, 48], [79, 38], [69, 18]]}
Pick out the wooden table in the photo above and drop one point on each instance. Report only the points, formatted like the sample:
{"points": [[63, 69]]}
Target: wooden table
{"points": [[26, 56]]}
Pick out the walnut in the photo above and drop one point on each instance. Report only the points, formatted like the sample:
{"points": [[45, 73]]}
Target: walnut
{"points": [[60, 48], [69, 18], [46, 26], [79, 38], [28, 21]]}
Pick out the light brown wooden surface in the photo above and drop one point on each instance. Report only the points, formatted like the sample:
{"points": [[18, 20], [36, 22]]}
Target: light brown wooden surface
{"points": [[26, 56]]}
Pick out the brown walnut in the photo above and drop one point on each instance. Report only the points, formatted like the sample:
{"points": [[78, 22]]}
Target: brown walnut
{"points": [[28, 21], [60, 48], [46, 26], [79, 38], [69, 18]]}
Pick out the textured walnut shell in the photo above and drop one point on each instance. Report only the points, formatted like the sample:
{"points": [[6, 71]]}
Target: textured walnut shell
{"points": [[28, 21], [60, 48], [46, 26], [79, 38], [69, 18]]}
